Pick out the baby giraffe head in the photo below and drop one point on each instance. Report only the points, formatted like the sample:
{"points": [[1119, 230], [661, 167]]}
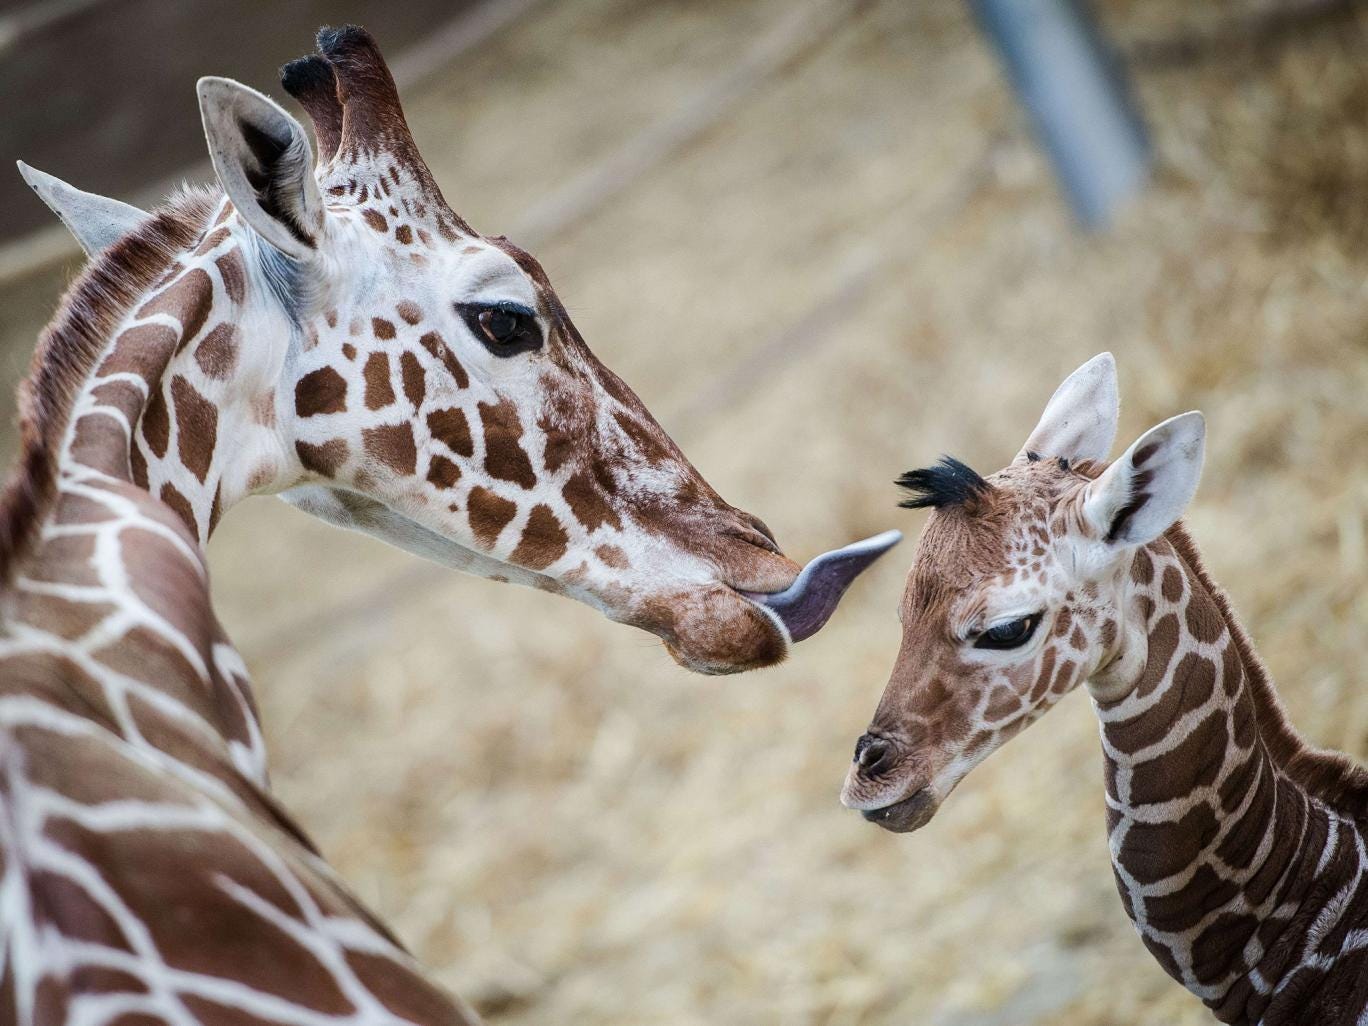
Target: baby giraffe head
{"points": [[1020, 589], [378, 363]]}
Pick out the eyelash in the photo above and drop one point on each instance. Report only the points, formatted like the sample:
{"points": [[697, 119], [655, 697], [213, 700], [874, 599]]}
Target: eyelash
{"points": [[1029, 623]]}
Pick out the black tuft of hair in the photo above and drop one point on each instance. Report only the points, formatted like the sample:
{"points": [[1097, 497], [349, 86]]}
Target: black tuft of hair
{"points": [[948, 483], [337, 42], [306, 75]]}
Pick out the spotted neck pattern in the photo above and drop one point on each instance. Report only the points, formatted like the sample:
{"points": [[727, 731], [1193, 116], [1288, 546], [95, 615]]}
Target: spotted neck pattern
{"points": [[134, 807], [1239, 854]]}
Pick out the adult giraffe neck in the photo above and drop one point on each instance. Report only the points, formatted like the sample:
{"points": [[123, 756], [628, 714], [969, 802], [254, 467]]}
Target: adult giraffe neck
{"points": [[1229, 836], [67, 355], [121, 480]]}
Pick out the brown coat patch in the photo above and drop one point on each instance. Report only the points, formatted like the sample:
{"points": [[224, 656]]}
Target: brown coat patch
{"points": [[409, 312], [489, 514], [1204, 621], [504, 455], [156, 422], [1163, 642], [234, 277], [588, 502], [384, 330], [188, 300], [322, 459], [122, 396], [196, 427], [612, 556], [379, 392], [543, 540], [137, 465], [321, 391], [413, 376], [407, 996], [442, 472], [375, 219], [171, 495], [392, 444], [450, 427], [217, 354], [138, 350], [90, 445], [1172, 585]]}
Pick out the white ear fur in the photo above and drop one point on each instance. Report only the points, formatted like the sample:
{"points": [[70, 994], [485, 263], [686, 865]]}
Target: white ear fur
{"points": [[1079, 422], [1143, 493], [263, 161], [96, 221]]}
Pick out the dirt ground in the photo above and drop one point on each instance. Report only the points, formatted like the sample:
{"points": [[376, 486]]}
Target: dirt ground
{"points": [[824, 250]]}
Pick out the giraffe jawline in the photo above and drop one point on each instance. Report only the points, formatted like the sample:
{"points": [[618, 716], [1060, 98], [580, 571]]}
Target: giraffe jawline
{"points": [[806, 605], [911, 813]]}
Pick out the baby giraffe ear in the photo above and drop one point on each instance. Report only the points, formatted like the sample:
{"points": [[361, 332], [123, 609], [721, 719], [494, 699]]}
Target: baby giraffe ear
{"points": [[263, 161], [1079, 422], [1143, 493]]}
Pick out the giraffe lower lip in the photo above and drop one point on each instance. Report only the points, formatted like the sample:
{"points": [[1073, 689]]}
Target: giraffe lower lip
{"points": [[911, 813]]}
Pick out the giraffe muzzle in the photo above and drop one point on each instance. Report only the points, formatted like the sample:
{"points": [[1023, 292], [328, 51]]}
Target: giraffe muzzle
{"points": [[806, 605]]}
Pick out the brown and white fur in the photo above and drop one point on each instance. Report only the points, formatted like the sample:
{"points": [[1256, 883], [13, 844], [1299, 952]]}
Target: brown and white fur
{"points": [[1239, 851], [340, 337]]}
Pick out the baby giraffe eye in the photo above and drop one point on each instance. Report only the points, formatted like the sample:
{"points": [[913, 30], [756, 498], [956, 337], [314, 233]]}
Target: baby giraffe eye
{"points": [[504, 328], [1012, 634]]}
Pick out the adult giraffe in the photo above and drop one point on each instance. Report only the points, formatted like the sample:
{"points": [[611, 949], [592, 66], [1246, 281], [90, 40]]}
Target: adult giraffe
{"points": [[343, 338], [1239, 850]]}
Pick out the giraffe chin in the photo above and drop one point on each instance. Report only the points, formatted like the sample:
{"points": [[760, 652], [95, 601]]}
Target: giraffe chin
{"points": [[902, 817], [716, 631]]}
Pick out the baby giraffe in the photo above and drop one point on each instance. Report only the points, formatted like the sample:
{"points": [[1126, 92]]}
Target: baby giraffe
{"points": [[1238, 849]]}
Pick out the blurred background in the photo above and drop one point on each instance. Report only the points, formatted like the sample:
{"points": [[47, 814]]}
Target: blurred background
{"points": [[822, 242]]}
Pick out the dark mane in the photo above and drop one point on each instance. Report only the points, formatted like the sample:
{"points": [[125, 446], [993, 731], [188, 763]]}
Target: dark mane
{"points": [[1332, 777], [948, 483], [67, 351]]}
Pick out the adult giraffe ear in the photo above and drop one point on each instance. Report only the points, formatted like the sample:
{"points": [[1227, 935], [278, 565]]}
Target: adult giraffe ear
{"points": [[1079, 422], [96, 221], [263, 161], [1143, 493]]}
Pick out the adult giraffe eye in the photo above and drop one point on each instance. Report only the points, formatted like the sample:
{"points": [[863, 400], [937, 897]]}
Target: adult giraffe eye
{"points": [[500, 326], [1012, 634], [504, 328]]}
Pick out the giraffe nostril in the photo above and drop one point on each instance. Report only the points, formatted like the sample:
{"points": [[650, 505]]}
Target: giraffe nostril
{"points": [[762, 527], [751, 536], [874, 755]]}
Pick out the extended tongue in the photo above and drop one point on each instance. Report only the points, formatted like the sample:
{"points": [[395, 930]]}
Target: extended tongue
{"points": [[807, 604]]}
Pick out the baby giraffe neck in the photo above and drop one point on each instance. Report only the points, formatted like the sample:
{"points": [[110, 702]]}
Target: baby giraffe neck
{"points": [[1233, 843]]}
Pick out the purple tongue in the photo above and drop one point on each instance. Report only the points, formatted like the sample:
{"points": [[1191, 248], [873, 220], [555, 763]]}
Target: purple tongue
{"points": [[807, 604]]}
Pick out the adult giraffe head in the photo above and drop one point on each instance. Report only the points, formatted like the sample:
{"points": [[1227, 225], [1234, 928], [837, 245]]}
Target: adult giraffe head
{"points": [[1017, 592], [344, 339]]}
